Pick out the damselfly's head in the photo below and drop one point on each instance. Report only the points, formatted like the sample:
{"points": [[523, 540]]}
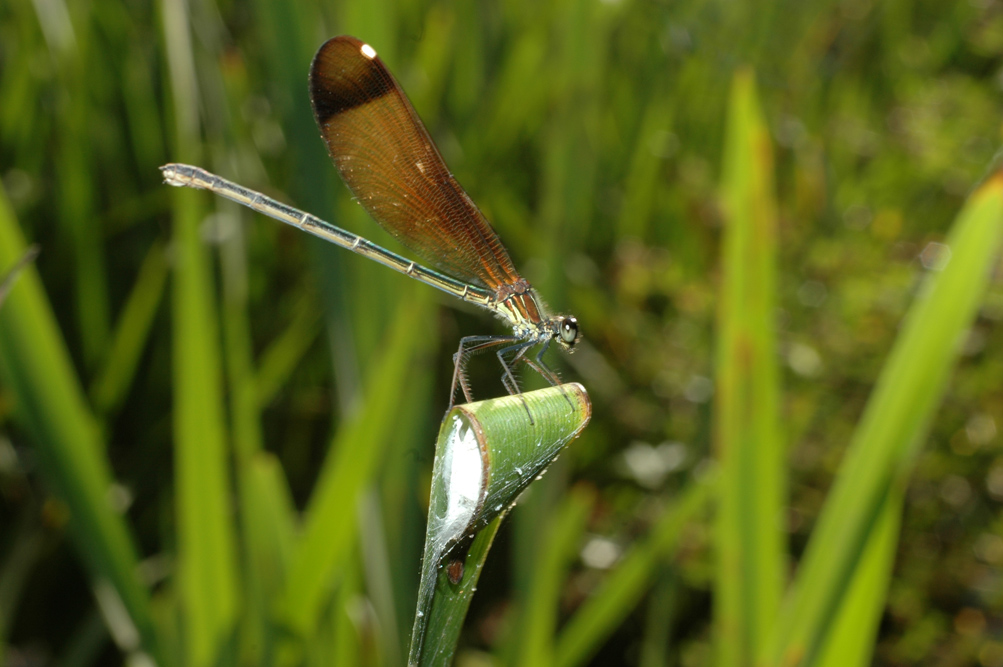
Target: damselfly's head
{"points": [[567, 333]]}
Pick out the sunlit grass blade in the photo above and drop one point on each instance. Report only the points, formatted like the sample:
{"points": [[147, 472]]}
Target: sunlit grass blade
{"points": [[534, 644], [643, 182], [7, 279], [330, 519], [167, 616], [376, 19], [434, 56], [376, 561], [206, 541], [609, 605], [245, 415], [37, 374], [131, 333], [750, 537], [339, 641], [207, 572], [851, 640], [270, 503], [267, 513], [892, 428], [402, 493]]}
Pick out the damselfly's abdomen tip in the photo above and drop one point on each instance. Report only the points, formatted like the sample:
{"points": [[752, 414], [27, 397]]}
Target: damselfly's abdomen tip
{"points": [[170, 174]]}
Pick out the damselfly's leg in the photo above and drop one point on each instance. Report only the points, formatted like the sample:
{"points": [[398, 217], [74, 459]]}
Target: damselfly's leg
{"points": [[468, 347], [541, 367], [508, 378]]}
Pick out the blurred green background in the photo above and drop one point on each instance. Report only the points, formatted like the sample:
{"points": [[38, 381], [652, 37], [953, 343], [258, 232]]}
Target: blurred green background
{"points": [[251, 390]]}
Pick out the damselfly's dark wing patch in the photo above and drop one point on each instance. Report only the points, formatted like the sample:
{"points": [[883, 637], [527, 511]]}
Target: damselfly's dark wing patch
{"points": [[387, 158]]}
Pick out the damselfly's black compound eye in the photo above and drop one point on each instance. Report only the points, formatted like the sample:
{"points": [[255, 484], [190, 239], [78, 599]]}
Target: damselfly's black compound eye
{"points": [[569, 331]]}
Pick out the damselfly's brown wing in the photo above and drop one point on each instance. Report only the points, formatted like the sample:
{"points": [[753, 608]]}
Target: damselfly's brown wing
{"points": [[385, 155]]}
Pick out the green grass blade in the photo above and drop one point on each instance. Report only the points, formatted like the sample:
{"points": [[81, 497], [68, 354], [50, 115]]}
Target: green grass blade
{"points": [[750, 538], [207, 567], [892, 428], [486, 454], [77, 187], [283, 355], [36, 370], [374, 22], [268, 538], [660, 618], [267, 514], [376, 563], [330, 525], [133, 330], [451, 602], [340, 641], [538, 621], [207, 573], [851, 641], [245, 415], [609, 605], [7, 280], [643, 181], [270, 503]]}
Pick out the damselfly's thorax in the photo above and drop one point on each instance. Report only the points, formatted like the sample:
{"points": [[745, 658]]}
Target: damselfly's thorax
{"points": [[519, 305]]}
